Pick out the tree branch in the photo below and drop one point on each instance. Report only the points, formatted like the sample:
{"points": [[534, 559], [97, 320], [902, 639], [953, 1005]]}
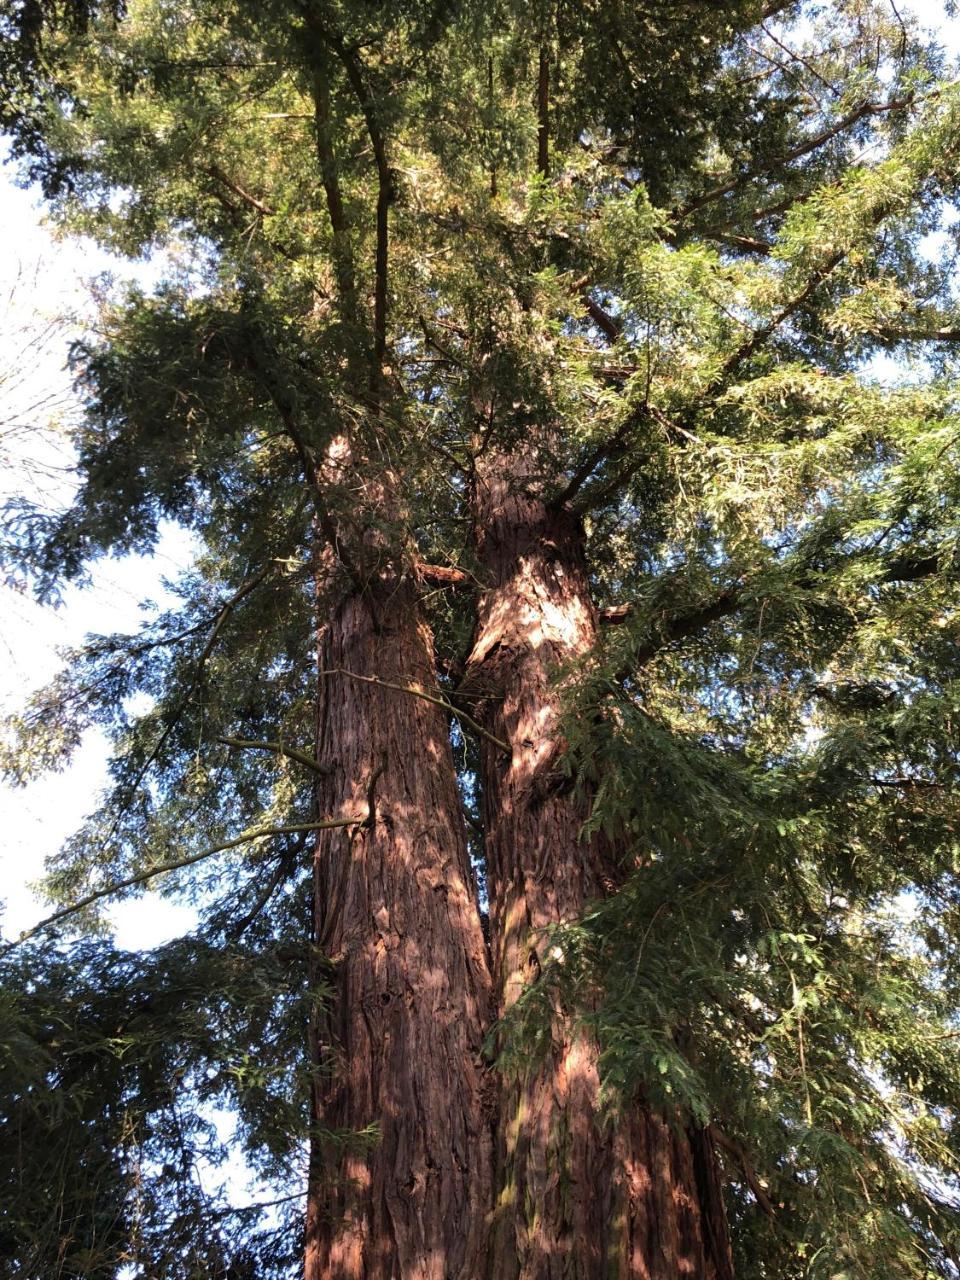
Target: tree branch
{"points": [[759, 336], [441, 575], [385, 197], [279, 749], [227, 609], [435, 698], [176, 864], [692, 621], [797, 153], [615, 614], [750, 1175], [894, 333], [280, 871], [605, 322], [330, 178], [212, 171], [543, 113]]}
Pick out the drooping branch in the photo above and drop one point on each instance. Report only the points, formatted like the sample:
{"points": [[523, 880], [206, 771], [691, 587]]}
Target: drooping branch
{"points": [[737, 1150], [219, 622], [281, 871], [110, 890], [264, 361]]}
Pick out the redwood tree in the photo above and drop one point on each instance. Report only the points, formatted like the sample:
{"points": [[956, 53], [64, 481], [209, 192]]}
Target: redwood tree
{"points": [[557, 732]]}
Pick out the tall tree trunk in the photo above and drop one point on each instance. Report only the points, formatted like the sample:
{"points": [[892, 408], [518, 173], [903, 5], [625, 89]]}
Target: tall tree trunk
{"points": [[396, 913], [575, 1200]]}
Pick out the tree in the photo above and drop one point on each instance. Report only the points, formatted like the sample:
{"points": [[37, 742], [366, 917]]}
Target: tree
{"points": [[573, 601]]}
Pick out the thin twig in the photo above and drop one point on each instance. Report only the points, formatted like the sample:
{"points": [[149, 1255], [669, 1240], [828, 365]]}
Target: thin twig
{"points": [[437, 699]]}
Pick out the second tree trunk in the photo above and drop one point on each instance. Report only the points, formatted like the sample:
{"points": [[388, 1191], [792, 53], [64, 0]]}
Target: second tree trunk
{"points": [[577, 1199]]}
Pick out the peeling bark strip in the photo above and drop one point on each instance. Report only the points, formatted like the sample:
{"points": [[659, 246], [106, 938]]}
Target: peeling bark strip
{"points": [[397, 915], [575, 1200]]}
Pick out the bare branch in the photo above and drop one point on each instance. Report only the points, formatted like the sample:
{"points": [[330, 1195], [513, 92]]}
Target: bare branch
{"points": [[437, 699], [279, 749], [441, 575], [614, 614], [212, 171]]}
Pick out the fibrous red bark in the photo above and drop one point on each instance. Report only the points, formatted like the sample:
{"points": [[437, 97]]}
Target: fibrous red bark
{"points": [[575, 1197], [396, 914]]}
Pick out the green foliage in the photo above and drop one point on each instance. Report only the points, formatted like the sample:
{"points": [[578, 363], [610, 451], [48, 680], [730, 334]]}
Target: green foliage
{"points": [[676, 324], [113, 1068]]}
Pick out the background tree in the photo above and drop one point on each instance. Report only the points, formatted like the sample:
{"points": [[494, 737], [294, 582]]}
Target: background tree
{"points": [[520, 375]]}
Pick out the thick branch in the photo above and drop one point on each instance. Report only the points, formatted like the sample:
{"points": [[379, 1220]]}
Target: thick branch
{"points": [[750, 1175], [605, 322], [690, 622], [614, 614], [543, 114], [606, 449], [749, 244], [330, 177], [894, 333], [441, 575], [142, 877], [385, 196]]}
